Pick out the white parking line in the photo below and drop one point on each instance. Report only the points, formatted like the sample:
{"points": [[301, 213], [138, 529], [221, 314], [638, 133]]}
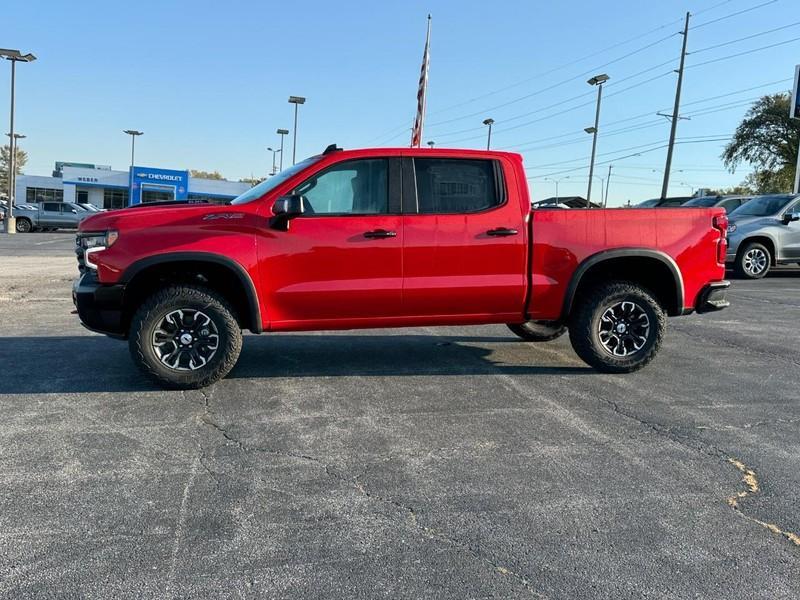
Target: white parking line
{"points": [[48, 242]]}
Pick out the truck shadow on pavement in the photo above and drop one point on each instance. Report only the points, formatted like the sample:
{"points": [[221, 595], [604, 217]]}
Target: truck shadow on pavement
{"points": [[79, 364]]}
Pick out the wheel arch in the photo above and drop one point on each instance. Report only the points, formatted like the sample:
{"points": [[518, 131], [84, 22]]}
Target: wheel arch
{"points": [[763, 239], [218, 272], [654, 269]]}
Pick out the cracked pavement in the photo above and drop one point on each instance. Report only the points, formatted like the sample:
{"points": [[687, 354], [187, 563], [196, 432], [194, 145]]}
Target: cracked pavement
{"points": [[412, 463]]}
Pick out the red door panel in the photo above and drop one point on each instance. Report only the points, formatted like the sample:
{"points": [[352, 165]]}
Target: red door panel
{"points": [[452, 264], [324, 268]]}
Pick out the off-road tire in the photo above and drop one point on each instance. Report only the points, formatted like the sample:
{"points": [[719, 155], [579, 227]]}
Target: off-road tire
{"points": [[187, 297], [584, 327], [24, 225], [741, 266], [538, 331]]}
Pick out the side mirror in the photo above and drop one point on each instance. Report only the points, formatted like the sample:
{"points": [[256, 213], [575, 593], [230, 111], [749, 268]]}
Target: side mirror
{"points": [[285, 209], [790, 217], [74, 212]]}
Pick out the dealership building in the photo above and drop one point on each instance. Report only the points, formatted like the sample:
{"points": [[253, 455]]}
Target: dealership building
{"points": [[105, 188]]}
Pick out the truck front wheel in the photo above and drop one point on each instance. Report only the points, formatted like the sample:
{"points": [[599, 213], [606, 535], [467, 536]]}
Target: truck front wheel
{"points": [[23, 225], [617, 328], [538, 331], [185, 337]]}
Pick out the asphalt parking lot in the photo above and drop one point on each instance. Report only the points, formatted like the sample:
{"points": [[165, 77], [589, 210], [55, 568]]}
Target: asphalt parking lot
{"points": [[415, 463]]}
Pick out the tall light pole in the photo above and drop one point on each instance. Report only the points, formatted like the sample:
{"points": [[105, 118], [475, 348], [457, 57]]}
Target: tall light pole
{"points": [[556, 181], [274, 152], [12, 146], [133, 133], [297, 101], [597, 80], [282, 132], [489, 122], [608, 185], [14, 56]]}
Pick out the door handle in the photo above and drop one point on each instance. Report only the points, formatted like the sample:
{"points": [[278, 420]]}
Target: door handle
{"points": [[501, 232], [379, 233]]}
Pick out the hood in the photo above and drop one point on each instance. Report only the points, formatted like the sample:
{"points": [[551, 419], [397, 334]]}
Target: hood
{"points": [[141, 214], [744, 221]]}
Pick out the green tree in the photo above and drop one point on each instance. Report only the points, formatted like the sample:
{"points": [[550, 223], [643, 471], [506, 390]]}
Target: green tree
{"points": [[767, 138], [5, 158], [205, 174]]}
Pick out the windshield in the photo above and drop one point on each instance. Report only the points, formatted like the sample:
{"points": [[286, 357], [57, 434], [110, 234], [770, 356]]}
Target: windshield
{"points": [[89, 207], [762, 206], [648, 203], [706, 202], [270, 184]]}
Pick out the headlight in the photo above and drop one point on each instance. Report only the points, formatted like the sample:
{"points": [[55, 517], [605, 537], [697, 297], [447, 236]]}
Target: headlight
{"points": [[95, 242], [731, 227]]}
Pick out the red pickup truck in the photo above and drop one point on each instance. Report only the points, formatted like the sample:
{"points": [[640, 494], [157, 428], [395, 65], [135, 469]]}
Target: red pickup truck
{"points": [[392, 238]]}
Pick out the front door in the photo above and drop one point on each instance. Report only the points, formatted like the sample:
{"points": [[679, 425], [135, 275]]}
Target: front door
{"points": [[790, 237], [340, 263], [465, 242]]}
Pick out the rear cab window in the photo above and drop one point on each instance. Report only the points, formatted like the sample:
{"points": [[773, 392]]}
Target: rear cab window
{"points": [[455, 186]]}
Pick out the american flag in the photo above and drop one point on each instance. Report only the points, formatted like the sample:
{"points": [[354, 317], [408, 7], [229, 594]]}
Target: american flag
{"points": [[416, 133]]}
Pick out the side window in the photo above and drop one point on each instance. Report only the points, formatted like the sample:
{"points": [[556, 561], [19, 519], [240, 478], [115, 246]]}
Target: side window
{"points": [[52, 206], [731, 204], [447, 185], [356, 187]]}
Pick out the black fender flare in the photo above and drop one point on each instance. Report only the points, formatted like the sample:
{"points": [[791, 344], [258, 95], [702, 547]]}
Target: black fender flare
{"points": [[604, 255], [254, 316]]}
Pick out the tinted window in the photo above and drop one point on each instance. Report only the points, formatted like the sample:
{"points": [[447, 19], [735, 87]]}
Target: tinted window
{"points": [[731, 204], [706, 202], [762, 206], [454, 185], [648, 203], [52, 206], [356, 187]]}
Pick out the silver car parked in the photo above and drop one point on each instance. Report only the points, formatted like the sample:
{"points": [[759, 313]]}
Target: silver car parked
{"points": [[762, 233]]}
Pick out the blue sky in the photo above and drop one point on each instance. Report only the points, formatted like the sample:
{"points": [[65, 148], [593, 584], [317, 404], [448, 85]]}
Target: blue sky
{"points": [[208, 82]]}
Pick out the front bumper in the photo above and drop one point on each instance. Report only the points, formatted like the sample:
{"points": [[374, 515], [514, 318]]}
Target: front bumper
{"points": [[713, 297], [99, 305]]}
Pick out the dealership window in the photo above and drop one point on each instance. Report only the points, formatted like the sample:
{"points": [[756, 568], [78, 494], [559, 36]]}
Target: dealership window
{"points": [[200, 198], [34, 194], [446, 185], [115, 198]]}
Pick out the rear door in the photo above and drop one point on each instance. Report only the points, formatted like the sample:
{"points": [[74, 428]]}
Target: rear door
{"points": [[50, 215], [465, 239]]}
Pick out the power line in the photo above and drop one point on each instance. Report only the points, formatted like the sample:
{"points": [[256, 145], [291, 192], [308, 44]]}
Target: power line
{"points": [[742, 39], [721, 58], [735, 14]]}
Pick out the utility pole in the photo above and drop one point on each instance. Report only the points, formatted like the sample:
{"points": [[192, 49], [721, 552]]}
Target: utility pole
{"points": [[676, 109], [608, 184]]}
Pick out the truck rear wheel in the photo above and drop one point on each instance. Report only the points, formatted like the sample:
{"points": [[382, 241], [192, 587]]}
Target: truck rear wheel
{"points": [[185, 337], [538, 331], [618, 327]]}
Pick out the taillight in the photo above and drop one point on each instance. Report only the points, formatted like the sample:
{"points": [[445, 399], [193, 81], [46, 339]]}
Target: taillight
{"points": [[720, 223]]}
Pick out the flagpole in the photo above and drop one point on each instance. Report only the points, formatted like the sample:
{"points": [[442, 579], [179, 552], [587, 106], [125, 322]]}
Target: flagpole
{"points": [[422, 94]]}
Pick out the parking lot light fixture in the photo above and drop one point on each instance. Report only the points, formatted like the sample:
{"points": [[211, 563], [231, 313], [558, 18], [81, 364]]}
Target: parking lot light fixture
{"points": [[14, 56], [274, 152], [297, 101], [431, 143], [489, 122], [597, 80], [282, 133], [133, 133]]}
